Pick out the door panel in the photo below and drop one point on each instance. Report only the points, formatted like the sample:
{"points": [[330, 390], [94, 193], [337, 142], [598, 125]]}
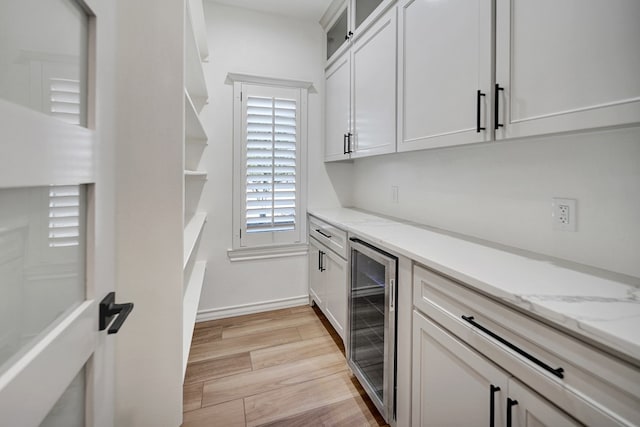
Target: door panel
{"points": [[579, 70], [446, 57], [374, 89], [532, 410], [337, 115], [56, 249], [452, 382], [335, 280]]}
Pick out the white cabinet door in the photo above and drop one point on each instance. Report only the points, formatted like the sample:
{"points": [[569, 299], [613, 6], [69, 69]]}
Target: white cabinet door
{"points": [[566, 65], [374, 89], [337, 109], [452, 384], [526, 408], [445, 62], [316, 283], [335, 285]]}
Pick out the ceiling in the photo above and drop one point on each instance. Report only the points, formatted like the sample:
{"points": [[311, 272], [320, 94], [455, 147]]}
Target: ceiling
{"points": [[310, 10]]}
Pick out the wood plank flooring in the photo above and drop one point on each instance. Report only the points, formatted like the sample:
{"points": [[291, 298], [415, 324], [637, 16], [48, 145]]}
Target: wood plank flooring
{"points": [[279, 368]]}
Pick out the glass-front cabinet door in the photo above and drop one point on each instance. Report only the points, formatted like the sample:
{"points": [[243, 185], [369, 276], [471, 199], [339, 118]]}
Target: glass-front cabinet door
{"points": [[337, 35], [362, 9]]}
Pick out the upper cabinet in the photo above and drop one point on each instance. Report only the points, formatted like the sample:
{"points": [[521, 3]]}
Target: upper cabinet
{"points": [[345, 20], [360, 104], [564, 66], [557, 68], [445, 91]]}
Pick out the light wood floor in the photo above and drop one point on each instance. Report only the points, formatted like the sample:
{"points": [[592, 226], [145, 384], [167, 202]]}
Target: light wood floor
{"points": [[280, 368]]}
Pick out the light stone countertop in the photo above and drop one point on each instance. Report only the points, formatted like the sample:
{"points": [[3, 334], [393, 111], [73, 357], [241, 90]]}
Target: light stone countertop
{"points": [[602, 306]]}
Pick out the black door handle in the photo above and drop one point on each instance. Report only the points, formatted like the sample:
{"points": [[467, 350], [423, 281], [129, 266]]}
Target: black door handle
{"points": [[478, 97], [109, 309], [496, 119], [322, 268], [510, 404], [492, 404]]}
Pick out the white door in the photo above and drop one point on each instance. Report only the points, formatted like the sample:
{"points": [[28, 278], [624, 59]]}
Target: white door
{"points": [[316, 283], [525, 408], [453, 385], [56, 249], [337, 106], [374, 89], [565, 66], [446, 57], [335, 281]]}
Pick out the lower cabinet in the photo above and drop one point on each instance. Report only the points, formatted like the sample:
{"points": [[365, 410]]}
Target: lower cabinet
{"points": [[328, 284], [456, 386]]}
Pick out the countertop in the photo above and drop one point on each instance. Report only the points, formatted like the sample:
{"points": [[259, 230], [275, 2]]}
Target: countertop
{"points": [[602, 306]]}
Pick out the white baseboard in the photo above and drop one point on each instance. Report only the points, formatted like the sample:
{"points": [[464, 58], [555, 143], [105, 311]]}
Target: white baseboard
{"points": [[259, 307]]}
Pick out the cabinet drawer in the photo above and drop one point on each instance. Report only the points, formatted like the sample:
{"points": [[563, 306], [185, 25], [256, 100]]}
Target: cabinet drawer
{"points": [[330, 236], [595, 388]]}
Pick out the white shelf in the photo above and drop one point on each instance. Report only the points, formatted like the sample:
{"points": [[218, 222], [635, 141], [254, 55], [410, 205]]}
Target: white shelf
{"points": [[192, 232], [190, 309], [194, 74], [195, 9], [195, 174], [194, 131]]}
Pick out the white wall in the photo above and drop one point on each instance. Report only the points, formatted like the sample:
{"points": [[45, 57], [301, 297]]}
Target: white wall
{"points": [[502, 192], [148, 137], [249, 42]]}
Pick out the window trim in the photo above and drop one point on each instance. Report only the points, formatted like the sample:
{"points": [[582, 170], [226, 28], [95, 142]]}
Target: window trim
{"points": [[238, 81]]}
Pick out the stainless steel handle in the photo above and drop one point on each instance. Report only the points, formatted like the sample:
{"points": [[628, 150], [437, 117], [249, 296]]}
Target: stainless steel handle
{"points": [[392, 296]]}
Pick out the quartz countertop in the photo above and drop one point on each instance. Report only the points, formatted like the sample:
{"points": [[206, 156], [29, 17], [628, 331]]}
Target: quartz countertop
{"points": [[602, 306]]}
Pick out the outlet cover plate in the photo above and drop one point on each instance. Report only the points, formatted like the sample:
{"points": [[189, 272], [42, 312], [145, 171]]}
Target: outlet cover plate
{"points": [[564, 214]]}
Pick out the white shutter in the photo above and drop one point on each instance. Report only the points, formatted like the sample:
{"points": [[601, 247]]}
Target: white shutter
{"points": [[271, 167], [65, 100], [64, 216]]}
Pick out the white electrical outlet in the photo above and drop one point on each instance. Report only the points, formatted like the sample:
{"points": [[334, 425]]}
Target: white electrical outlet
{"points": [[564, 214]]}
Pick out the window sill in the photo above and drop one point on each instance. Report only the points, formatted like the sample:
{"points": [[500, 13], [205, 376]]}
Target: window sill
{"points": [[250, 254]]}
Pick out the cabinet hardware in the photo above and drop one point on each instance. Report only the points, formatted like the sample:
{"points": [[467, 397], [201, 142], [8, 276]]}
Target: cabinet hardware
{"points": [[478, 97], [344, 143], [328, 236], [558, 372], [496, 119], [510, 403], [109, 309], [348, 36], [492, 404], [392, 294], [321, 261], [349, 150]]}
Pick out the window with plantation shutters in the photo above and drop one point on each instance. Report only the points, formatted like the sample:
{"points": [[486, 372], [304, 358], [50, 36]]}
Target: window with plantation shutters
{"points": [[268, 191], [271, 141]]}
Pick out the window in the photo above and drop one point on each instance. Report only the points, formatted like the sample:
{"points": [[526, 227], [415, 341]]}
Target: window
{"points": [[269, 161]]}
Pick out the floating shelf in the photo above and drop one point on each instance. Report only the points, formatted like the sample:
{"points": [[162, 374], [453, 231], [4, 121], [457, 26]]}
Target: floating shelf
{"points": [[194, 74], [192, 232], [195, 9], [195, 174], [194, 131], [190, 309]]}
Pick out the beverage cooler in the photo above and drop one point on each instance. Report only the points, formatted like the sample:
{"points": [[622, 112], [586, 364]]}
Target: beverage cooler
{"points": [[371, 339]]}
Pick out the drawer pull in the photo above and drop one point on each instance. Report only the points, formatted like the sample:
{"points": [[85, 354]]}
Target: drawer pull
{"points": [[328, 236], [558, 372]]}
